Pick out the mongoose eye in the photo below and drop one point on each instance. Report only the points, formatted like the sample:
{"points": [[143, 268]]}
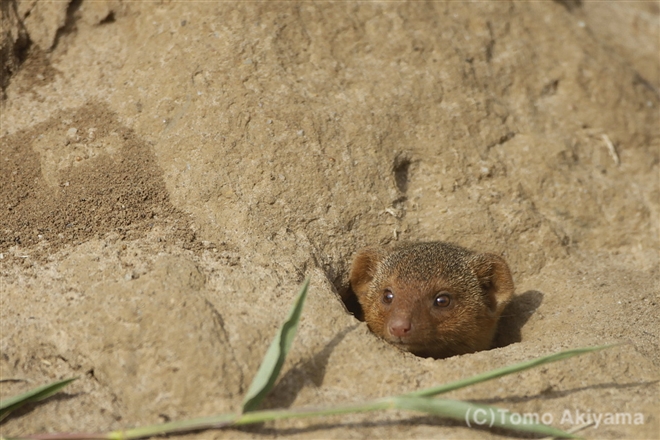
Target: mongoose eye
{"points": [[442, 300], [388, 296]]}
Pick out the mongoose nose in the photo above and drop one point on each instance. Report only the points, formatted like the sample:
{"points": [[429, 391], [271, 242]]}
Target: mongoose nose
{"points": [[400, 326]]}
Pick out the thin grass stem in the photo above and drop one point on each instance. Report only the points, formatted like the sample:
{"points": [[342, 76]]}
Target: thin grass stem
{"points": [[504, 371]]}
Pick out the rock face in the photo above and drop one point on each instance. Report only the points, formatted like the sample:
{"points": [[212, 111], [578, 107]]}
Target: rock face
{"points": [[172, 172]]}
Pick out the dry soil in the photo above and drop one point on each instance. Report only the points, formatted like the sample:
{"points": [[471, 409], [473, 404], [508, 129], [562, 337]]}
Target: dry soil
{"points": [[171, 172]]}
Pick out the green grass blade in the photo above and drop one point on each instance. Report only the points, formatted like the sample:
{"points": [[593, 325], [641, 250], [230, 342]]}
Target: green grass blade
{"points": [[270, 367], [504, 371], [35, 395], [301, 413], [475, 415]]}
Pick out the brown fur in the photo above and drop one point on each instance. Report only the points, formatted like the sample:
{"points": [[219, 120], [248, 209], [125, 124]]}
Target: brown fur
{"points": [[397, 290]]}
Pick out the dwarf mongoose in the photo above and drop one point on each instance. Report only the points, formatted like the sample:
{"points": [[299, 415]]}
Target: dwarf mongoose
{"points": [[432, 299]]}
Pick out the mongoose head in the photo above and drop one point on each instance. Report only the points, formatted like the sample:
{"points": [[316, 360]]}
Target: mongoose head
{"points": [[432, 299]]}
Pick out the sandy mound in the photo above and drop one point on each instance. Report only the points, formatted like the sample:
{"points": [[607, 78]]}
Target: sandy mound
{"points": [[172, 172]]}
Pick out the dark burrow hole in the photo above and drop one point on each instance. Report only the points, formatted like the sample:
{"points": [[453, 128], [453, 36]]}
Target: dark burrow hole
{"points": [[570, 5], [400, 168], [350, 301], [110, 18], [346, 295]]}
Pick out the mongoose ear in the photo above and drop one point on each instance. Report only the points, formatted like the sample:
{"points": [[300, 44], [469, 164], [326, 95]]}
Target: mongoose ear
{"points": [[363, 270], [495, 279]]}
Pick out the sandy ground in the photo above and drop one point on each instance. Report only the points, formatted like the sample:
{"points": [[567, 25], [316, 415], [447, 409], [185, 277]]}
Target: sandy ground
{"points": [[172, 171]]}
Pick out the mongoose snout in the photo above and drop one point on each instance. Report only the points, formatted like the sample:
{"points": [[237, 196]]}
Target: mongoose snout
{"points": [[433, 299]]}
